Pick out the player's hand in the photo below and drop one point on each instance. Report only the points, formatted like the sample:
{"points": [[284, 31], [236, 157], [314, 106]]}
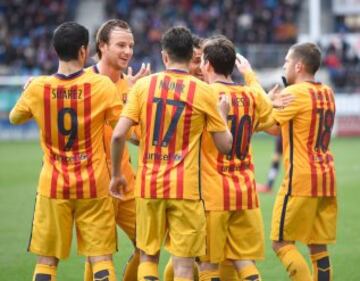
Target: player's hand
{"points": [[145, 70], [279, 99], [118, 187], [28, 82], [224, 106], [242, 64]]}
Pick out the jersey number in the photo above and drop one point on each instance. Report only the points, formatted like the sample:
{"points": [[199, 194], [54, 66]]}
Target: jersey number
{"points": [[241, 132], [326, 122], [160, 106], [72, 131]]}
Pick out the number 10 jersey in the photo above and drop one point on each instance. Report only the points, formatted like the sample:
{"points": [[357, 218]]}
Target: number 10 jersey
{"points": [[228, 181]]}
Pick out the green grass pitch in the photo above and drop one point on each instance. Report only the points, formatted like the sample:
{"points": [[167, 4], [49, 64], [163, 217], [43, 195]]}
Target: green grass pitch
{"points": [[20, 164]]}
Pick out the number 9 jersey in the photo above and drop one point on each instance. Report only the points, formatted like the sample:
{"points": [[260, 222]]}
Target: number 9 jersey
{"points": [[306, 126], [228, 181], [71, 112]]}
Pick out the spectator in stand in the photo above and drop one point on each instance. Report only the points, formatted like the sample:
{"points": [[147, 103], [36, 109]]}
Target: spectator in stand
{"points": [[25, 34], [334, 65]]}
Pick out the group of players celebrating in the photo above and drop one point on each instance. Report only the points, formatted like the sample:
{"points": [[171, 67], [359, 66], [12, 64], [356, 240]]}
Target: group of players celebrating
{"points": [[194, 188]]}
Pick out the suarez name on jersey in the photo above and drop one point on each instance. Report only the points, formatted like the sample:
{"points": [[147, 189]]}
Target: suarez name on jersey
{"points": [[71, 112]]}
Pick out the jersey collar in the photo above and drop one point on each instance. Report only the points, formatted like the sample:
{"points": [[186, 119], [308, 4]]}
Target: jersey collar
{"points": [[179, 71], [70, 76], [228, 83]]}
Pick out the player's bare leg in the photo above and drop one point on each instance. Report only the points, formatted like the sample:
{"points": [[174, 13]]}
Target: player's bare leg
{"points": [[247, 270], [292, 260], [168, 274], [183, 268], [209, 271], [320, 260], [45, 269]]}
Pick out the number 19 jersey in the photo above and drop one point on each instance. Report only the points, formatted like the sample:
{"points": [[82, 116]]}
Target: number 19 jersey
{"points": [[228, 181], [172, 108], [71, 112], [306, 126]]}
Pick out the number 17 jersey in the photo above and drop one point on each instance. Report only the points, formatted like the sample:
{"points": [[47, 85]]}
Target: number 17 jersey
{"points": [[173, 108], [71, 112]]}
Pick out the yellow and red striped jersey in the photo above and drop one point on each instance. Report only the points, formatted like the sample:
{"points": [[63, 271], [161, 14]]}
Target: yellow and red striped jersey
{"points": [[71, 112], [306, 126], [122, 86], [228, 181], [172, 108]]}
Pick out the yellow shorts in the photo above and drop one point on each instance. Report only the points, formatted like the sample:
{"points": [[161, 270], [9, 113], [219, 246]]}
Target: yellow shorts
{"points": [[234, 235], [125, 217], [181, 223], [311, 220], [53, 227]]}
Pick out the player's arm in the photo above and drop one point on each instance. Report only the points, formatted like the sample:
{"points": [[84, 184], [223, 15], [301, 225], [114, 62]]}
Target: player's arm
{"points": [[118, 183], [21, 112], [277, 98], [264, 112], [134, 137], [285, 114], [274, 130], [244, 67], [129, 117], [216, 123], [145, 70]]}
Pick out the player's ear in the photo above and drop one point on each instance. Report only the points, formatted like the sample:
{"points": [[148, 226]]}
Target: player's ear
{"points": [[83, 53], [165, 57], [209, 67], [299, 66]]}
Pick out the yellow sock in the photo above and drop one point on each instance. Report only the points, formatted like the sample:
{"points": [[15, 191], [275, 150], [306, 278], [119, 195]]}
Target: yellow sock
{"points": [[322, 270], [228, 271], [44, 272], [131, 268], [148, 271], [294, 263], [208, 275], [168, 274], [88, 274], [249, 272], [104, 270]]}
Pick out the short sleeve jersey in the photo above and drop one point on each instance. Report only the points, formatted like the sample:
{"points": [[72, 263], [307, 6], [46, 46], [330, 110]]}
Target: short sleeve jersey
{"points": [[228, 181], [306, 126], [71, 112], [172, 109]]}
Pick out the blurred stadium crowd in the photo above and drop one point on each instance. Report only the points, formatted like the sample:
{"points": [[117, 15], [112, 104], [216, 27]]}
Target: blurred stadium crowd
{"points": [[26, 26]]}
